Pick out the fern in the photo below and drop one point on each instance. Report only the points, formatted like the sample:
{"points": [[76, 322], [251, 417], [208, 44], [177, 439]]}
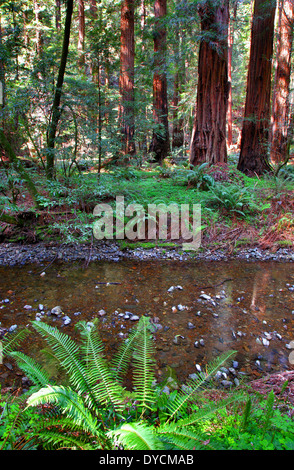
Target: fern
{"points": [[69, 402], [137, 436], [177, 437], [67, 353], [143, 375], [100, 381], [183, 399], [121, 360], [32, 369], [12, 341]]}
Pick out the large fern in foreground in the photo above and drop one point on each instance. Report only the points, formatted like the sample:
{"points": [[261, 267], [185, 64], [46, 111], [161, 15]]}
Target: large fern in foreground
{"points": [[94, 410]]}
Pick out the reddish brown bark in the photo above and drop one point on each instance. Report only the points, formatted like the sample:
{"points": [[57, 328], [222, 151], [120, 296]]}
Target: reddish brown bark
{"points": [[255, 131], [126, 79], [160, 139], [230, 52], [179, 80], [81, 41], [280, 111], [208, 142]]}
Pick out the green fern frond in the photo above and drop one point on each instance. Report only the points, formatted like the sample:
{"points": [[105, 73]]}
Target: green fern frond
{"points": [[176, 437], [12, 341], [122, 358], [143, 363], [69, 402], [32, 369], [183, 398], [67, 353], [209, 410], [136, 436], [53, 440], [101, 382]]}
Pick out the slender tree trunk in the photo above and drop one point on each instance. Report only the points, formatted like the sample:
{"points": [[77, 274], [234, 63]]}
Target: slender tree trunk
{"points": [[179, 80], [255, 132], [38, 30], [230, 53], [208, 142], [280, 111], [57, 14], [126, 79], [81, 41], [55, 112], [160, 145], [2, 80]]}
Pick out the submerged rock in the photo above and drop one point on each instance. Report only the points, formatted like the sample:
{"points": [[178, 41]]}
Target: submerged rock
{"points": [[56, 310]]}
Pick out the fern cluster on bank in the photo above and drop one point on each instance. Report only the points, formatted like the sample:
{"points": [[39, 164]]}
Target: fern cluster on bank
{"points": [[93, 408]]}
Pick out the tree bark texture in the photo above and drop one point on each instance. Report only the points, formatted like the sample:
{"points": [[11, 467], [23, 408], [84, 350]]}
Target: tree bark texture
{"points": [[81, 41], [230, 53], [126, 79], [280, 111], [253, 157], [179, 81], [208, 142], [160, 145], [55, 112]]}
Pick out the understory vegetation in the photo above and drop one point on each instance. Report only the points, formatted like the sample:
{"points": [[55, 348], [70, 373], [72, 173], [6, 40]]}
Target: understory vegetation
{"points": [[235, 210], [119, 405]]}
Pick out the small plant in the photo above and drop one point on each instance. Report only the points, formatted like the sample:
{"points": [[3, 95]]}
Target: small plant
{"points": [[195, 177], [233, 199]]}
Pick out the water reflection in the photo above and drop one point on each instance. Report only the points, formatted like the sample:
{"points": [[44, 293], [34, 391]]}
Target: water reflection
{"points": [[226, 305]]}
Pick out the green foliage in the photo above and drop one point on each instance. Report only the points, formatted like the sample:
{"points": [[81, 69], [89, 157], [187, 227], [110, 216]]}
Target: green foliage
{"points": [[94, 410], [233, 199], [194, 177]]}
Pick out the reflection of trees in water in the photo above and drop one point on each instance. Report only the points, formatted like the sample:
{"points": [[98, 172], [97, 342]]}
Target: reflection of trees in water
{"points": [[259, 285]]}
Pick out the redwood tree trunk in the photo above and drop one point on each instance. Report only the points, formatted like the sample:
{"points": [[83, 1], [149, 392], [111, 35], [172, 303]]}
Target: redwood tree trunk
{"points": [[230, 53], [179, 81], [81, 41], [126, 79], [160, 139], [208, 142], [255, 132], [280, 112]]}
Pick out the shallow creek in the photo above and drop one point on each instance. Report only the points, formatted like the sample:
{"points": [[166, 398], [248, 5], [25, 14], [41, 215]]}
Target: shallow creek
{"points": [[240, 305]]}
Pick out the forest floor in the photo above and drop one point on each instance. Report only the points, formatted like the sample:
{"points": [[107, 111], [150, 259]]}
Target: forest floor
{"points": [[252, 217]]}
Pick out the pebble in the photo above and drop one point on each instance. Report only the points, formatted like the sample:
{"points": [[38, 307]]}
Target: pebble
{"points": [[56, 310]]}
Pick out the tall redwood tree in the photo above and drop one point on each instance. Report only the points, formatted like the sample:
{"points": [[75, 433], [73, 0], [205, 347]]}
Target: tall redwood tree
{"points": [[160, 145], [208, 142], [255, 131], [126, 79], [280, 111]]}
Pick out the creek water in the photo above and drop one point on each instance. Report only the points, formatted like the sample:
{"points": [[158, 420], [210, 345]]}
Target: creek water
{"points": [[239, 305]]}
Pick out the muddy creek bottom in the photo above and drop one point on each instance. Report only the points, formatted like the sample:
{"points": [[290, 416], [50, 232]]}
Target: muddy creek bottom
{"points": [[200, 310]]}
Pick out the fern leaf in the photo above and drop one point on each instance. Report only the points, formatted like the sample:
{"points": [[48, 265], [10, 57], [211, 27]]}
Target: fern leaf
{"points": [[136, 436], [143, 375], [122, 359], [102, 384], [176, 437], [184, 398], [32, 369], [69, 402], [11, 341], [67, 353]]}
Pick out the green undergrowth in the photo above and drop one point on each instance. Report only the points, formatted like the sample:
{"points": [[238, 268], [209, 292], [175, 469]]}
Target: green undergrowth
{"points": [[92, 407], [226, 197]]}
